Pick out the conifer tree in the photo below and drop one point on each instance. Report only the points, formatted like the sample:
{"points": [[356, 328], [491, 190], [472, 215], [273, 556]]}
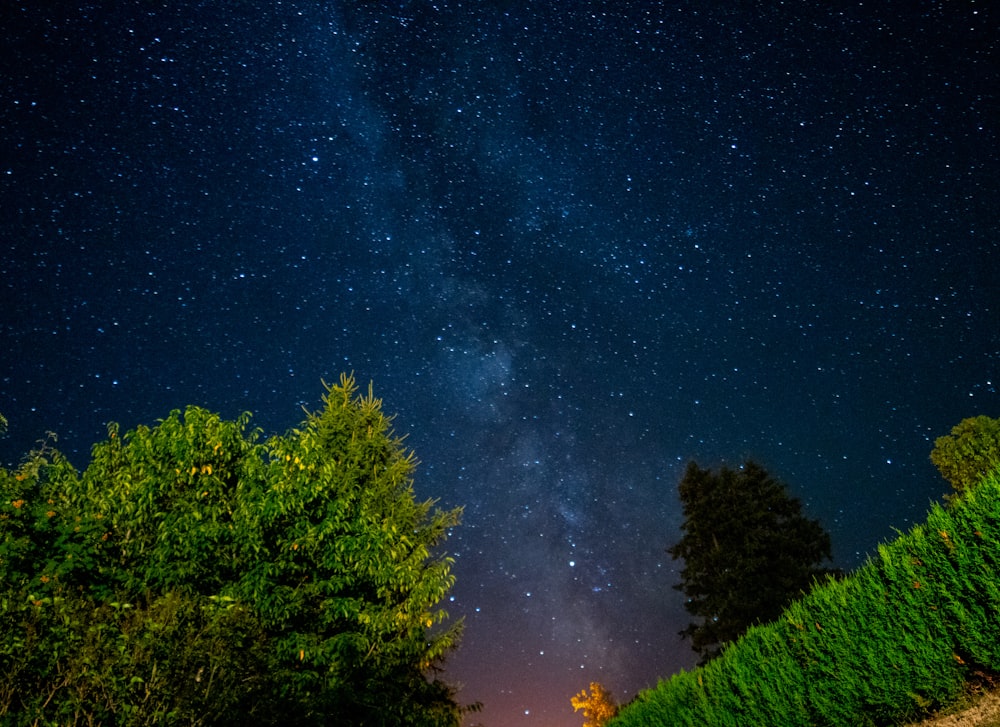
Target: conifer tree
{"points": [[748, 551]]}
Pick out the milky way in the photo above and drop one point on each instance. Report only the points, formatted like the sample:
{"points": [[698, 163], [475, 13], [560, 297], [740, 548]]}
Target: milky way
{"points": [[574, 245]]}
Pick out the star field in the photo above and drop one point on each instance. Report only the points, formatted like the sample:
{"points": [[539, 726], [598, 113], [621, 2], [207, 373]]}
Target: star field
{"points": [[573, 246]]}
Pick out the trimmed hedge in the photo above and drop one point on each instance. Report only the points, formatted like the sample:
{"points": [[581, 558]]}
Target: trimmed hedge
{"points": [[881, 647]]}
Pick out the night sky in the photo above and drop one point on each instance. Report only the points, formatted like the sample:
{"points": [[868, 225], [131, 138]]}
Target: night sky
{"points": [[573, 244]]}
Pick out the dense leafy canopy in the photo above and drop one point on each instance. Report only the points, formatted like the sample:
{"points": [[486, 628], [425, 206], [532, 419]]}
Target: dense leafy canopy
{"points": [[969, 453], [195, 575], [748, 551]]}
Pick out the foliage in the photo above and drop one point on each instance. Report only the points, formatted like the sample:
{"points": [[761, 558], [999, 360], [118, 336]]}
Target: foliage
{"points": [[969, 453], [884, 646], [194, 575], [598, 707], [748, 551]]}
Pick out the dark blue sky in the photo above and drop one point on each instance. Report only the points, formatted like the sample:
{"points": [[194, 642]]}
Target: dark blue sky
{"points": [[573, 244]]}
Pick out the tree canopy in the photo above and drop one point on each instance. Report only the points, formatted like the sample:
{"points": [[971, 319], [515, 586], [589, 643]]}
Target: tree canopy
{"points": [[969, 453], [193, 574], [748, 551]]}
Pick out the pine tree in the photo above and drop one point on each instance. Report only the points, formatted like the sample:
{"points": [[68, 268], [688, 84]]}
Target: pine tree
{"points": [[748, 551]]}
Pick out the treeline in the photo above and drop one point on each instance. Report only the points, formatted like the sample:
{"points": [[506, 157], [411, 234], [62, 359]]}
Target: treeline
{"points": [[195, 573]]}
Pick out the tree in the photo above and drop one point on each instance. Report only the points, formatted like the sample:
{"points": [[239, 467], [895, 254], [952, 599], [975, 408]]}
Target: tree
{"points": [[599, 707], [748, 551], [969, 453], [195, 575]]}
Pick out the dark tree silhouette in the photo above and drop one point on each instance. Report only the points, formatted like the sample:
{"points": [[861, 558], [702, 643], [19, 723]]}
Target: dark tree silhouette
{"points": [[748, 551]]}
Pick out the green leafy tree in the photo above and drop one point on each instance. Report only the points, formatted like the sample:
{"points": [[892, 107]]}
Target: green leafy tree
{"points": [[748, 551], [969, 453], [193, 574]]}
